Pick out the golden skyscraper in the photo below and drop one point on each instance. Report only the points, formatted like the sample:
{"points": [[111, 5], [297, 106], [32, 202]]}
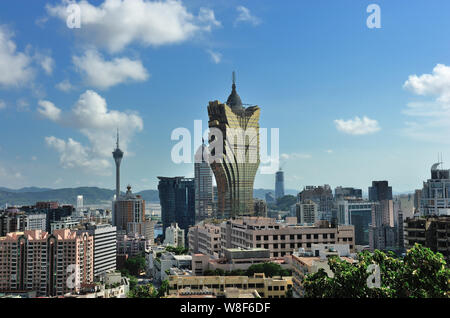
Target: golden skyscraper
{"points": [[236, 163]]}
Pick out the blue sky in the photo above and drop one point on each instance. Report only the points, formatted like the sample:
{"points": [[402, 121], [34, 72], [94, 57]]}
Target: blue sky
{"points": [[312, 67]]}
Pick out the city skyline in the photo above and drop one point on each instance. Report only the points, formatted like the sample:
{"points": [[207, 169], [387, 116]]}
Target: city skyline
{"points": [[385, 119]]}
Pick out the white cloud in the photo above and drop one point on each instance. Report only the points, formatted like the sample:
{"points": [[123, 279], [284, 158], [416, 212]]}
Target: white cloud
{"points": [[103, 74], [73, 154], [115, 24], [2, 105], [64, 86], [15, 67], [357, 126], [92, 118], [49, 110], [430, 120], [246, 16], [435, 84], [329, 151], [46, 62], [33, 158], [216, 57]]}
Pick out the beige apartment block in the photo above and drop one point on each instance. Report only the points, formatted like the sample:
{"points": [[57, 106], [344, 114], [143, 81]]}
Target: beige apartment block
{"points": [[282, 238], [38, 261], [274, 287], [204, 238]]}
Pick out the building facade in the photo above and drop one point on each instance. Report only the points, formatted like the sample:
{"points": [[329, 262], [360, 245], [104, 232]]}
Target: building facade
{"points": [[204, 238], [129, 213], [279, 184], [39, 261], [435, 194], [234, 147], [203, 185]]}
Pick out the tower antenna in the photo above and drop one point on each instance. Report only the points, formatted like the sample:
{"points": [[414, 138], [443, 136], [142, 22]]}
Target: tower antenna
{"points": [[117, 137], [234, 78]]}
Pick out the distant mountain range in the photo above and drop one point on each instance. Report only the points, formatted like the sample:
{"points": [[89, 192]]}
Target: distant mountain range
{"points": [[91, 195]]}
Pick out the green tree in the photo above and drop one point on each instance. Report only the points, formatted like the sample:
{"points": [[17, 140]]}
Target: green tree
{"points": [[421, 273], [269, 269], [134, 265], [144, 291], [163, 289]]}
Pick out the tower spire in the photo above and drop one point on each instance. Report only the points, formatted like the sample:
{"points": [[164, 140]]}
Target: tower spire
{"points": [[234, 79], [117, 142]]}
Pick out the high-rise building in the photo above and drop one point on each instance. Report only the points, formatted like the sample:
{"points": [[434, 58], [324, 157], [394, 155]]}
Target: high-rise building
{"points": [[260, 208], [105, 247], [322, 196], [39, 261], [379, 191], [203, 185], [435, 194], [117, 155], [279, 184], [177, 199], [235, 165], [129, 213], [382, 233], [357, 212]]}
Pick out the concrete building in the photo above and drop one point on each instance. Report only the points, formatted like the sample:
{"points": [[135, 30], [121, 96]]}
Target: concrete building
{"points": [[281, 238], [174, 236], [203, 185], [267, 287], [322, 196], [307, 212], [15, 220], [382, 233], [65, 223], [435, 194], [279, 184], [170, 264], [38, 261], [432, 232], [129, 213], [260, 208], [204, 238], [235, 168], [131, 245]]}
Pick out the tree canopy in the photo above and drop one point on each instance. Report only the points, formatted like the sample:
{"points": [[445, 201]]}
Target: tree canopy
{"points": [[420, 273]]}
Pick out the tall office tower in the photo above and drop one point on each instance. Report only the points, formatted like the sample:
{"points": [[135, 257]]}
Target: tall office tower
{"points": [[234, 165], [322, 196], [357, 212], [177, 199], [38, 261], [435, 194], [341, 193], [129, 213], [279, 184], [203, 185], [117, 155], [379, 191], [105, 247]]}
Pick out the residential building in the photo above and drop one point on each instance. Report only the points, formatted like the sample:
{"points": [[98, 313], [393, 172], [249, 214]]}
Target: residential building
{"points": [[322, 196], [204, 238], [307, 212], [39, 261], [432, 232], [260, 208], [65, 223], [341, 193], [174, 236], [129, 213]]}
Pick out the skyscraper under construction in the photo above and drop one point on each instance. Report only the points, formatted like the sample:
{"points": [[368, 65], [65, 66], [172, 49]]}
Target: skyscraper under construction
{"points": [[234, 147]]}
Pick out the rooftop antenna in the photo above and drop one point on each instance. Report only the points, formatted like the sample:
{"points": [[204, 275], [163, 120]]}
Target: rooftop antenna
{"points": [[234, 78]]}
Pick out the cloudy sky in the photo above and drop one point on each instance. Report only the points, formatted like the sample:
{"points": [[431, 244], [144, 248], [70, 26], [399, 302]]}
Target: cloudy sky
{"points": [[353, 104]]}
